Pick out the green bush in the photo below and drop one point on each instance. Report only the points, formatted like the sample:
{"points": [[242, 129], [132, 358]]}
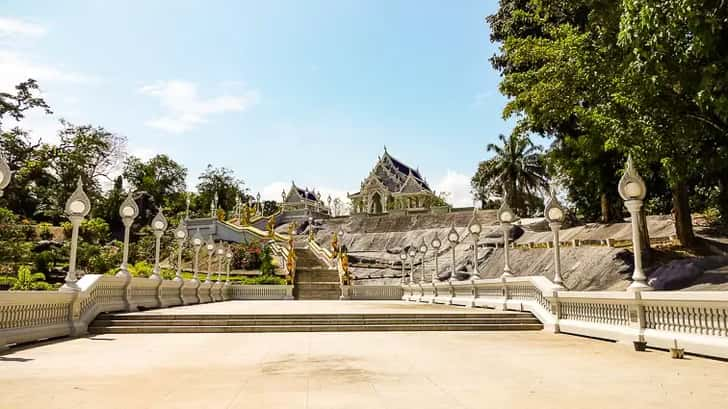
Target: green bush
{"points": [[44, 231], [266, 261], [44, 261], [93, 230], [27, 280], [267, 279], [247, 256]]}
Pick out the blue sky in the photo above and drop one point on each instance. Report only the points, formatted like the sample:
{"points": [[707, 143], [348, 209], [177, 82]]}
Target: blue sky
{"points": [[275, 90]]}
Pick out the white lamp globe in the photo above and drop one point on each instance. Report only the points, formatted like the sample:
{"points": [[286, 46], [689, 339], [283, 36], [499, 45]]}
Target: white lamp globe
{"points": [[412, 253], [633, 189], [197, 242], [436, 243], [475, 228], [220, 251], [180, 234], [159, 225], [77, 207], [506, 216], [423, 248], [555, 214], [127, 211]]}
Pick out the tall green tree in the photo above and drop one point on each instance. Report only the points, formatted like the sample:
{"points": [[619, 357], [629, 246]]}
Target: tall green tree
{"points": [[163, 179], [24, 99], [221, 182], [517, 168]]}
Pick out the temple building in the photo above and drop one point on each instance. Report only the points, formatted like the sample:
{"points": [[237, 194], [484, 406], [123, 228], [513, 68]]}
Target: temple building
{"points": [[391, 186], [298, 200]]}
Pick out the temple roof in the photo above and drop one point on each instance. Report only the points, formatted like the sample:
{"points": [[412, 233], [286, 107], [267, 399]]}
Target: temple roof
{"points": [[301, 193], [395, 176]]}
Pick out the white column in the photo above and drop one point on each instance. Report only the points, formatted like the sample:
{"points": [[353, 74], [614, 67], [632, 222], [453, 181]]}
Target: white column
{"points": [[555, 226], [506, 236], [639, 279]]}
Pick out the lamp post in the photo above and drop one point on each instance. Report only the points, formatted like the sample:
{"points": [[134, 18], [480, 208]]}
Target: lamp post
{"points": [[341, 238], [220, 255], [4, 174], [180, 233], [436, 244], [555, 216], [506, 217], [454, 238], [475, 228], [632, 189], [403, 258], [412, 253], [197, 245], [77, 207], [128, 212], [260, 205], [310, 228], [210, 247], [229, 258], [159, 225], [423, 250]]}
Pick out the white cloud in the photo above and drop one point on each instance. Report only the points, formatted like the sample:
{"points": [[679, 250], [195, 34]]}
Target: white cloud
{"points": [[16, 68], [185, 109], [12, 27], [458, 189]]}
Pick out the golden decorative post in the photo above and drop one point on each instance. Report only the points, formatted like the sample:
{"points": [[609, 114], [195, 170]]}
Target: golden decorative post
{"points": [[270, 226]]}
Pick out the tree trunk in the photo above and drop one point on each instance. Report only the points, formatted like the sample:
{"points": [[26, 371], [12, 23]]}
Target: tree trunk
{"points": [[644, 234], [605, 208], [723, 197], [681, 211]]}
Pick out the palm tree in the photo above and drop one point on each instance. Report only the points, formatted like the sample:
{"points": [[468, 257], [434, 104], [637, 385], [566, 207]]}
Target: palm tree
{"points": [[516, 167]]}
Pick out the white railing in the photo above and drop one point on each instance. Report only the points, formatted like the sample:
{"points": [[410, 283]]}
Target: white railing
{"points": [[373, 292], [261, 292], [698, 321], [27, 316]]}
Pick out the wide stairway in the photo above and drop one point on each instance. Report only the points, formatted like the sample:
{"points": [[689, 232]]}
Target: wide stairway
{"points": [[313, 279], [149, 322]]}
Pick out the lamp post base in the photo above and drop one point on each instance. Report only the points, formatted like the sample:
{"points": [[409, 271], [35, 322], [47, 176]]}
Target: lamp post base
{"points": [[123, 273], [639, 286], [155, 276], [70, 287], [506, 274]]}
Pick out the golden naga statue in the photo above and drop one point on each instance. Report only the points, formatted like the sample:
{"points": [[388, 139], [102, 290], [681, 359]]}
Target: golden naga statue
{"points": [[335, 244], [246, 215], [344, 259], [271, 226], [291, 263]]}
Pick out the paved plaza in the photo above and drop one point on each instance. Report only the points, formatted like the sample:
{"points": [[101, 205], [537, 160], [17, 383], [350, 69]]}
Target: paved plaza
{"points": [[352, 370]]}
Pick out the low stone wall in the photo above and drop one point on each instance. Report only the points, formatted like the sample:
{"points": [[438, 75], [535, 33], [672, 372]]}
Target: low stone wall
{"points": [[696, 321], [27, 316]]}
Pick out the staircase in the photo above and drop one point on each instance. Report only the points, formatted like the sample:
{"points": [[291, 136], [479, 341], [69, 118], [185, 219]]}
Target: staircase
{"points": [[201, 323], [313, 279]]}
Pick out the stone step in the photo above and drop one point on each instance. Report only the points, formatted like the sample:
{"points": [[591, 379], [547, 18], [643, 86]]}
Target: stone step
{"points": [[314, 328], [308, 321], [148, 316]]}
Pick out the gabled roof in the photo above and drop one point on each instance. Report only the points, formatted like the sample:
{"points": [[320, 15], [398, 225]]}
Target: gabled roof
{"points": [[300, 193], [394, 174]]}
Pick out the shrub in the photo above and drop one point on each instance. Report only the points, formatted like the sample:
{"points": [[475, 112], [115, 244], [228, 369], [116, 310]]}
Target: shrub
{"points": [[266, 261], [267, 279], [27, 280], [44, 261], [44, 231], [247, 256]]}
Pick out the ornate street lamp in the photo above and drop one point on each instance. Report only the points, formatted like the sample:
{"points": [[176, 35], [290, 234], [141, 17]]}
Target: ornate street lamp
{"points": [[423, 250], [436, 244], [197, 245], [454, 238], [128, 212], [506, 217], [180, 233], [475, 228], [77, 207], [403, 258], [632, 189], [210, 247], [412, 253], [310, 228], [220, 256], [229, 257], [260, 205], [4, 174], [555, 215], [159, 226], [341, 238]]}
